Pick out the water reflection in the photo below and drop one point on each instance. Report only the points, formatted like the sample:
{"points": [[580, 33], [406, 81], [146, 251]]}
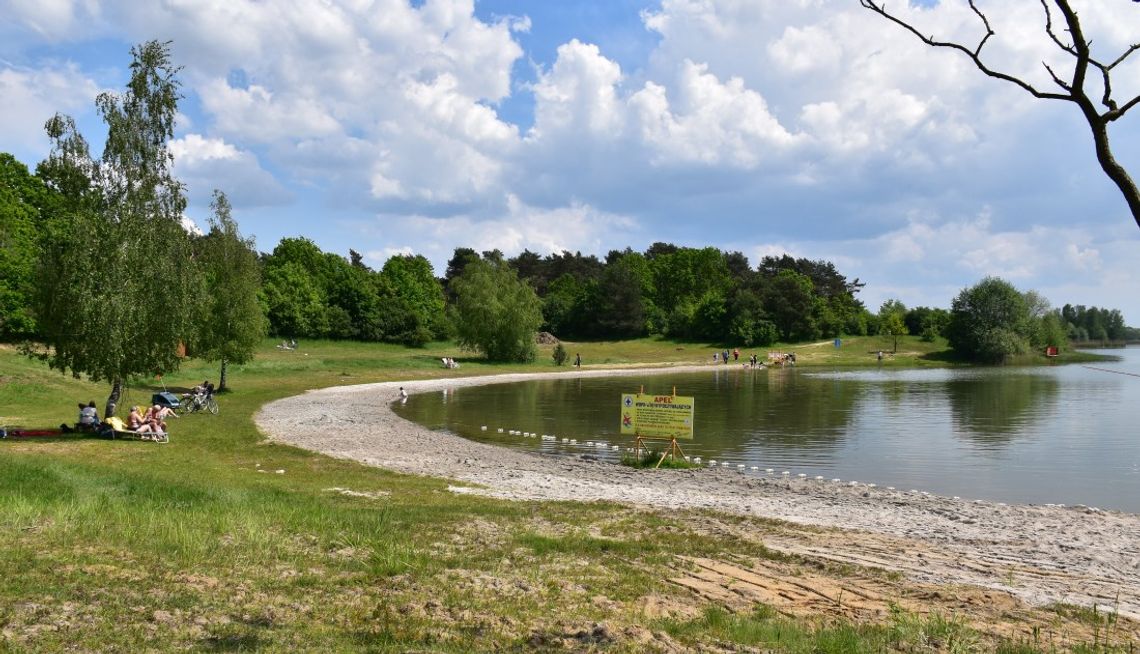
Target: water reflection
{"points": [[996, 408], [1040, 435]]}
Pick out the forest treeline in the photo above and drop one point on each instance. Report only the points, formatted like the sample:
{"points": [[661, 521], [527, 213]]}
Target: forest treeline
{"points": [[703, 294]]}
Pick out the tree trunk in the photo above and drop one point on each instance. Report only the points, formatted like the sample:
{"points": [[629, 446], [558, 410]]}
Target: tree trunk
{"points": [[113, 399], [222, 377], [1112, 168]]}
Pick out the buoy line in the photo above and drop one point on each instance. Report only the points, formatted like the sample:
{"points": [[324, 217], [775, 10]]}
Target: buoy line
{"points": [[1115, 372]]}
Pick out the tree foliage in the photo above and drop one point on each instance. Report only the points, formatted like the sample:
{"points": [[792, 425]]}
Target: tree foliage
{"points": [[496, 313], [232, 321], [117, 282], [21, 197], [989, 322]]}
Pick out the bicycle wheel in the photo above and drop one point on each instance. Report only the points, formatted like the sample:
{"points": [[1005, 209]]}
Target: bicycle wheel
{"points": [[212, 405]]}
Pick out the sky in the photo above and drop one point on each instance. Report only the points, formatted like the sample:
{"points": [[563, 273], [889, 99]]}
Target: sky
{"points": [[807, 127]]}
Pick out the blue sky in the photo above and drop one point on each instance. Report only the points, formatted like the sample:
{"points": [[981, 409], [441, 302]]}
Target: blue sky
{"points": [[766, 126]]}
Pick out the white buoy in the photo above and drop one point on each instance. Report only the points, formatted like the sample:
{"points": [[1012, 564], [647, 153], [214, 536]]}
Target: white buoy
{"points": [[755, 468], [740, 465], [500, 430], [785, 473], [483, 428]]}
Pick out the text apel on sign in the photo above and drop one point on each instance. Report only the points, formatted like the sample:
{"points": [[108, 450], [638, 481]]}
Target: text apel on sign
{"points": [[657, 416]]}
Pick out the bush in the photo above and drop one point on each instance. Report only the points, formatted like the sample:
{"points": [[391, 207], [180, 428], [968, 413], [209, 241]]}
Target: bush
{"points": [[559, 355]]}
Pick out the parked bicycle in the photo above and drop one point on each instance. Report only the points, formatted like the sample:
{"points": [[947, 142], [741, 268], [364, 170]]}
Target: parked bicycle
{"points": [[200, 399]]}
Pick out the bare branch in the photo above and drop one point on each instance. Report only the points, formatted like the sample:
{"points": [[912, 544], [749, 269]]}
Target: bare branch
{"points": [[974, 55], [1056, 79], [1134, 48], [1075, 91], [986, 23], [1112, 115], [1067, 47]]}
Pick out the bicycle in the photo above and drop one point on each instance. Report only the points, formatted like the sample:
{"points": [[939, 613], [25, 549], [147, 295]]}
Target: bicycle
{"points": [[199, 402]]}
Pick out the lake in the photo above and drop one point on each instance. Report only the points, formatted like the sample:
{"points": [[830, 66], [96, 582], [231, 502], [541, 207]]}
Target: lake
{"points": [[1052, 434]]}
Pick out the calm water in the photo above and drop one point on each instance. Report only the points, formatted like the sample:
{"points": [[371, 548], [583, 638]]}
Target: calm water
{"points": [[1061, 434]]}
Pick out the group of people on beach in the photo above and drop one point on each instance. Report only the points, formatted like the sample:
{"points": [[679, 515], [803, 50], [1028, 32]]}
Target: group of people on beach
{"points": [[753, 360]]}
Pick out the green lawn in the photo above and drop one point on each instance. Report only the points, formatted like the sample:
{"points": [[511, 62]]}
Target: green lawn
{"points": [[219, 541]]}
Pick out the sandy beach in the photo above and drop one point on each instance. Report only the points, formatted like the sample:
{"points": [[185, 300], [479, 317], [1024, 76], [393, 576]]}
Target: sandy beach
{"points": [[1041, 554]]}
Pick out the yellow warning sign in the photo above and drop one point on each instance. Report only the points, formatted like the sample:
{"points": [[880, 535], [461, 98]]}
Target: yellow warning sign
{"points": [[657, 416]]}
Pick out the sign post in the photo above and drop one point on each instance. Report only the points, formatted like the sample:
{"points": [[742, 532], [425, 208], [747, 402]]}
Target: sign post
{"points": [[657, 417]]}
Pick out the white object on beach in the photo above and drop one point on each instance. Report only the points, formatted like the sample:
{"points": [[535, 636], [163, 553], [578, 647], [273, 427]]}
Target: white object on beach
{"points": [[565, 440], [819, 477], [696, 459], [785, 473], [740, 465], [755, 468], [769, 470], [802, 475], [483, 428], [712, 462], [836, 480]]}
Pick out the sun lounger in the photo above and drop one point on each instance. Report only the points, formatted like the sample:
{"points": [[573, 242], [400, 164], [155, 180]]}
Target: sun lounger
{"points": [[118, 429]]}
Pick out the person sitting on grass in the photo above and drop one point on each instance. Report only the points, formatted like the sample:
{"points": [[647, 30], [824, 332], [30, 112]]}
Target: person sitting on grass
{"points": [[88, 417]]}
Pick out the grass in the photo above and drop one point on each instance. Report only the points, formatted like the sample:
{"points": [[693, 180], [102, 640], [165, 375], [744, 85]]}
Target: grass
{"points": [[656, 458], [202, 544]]}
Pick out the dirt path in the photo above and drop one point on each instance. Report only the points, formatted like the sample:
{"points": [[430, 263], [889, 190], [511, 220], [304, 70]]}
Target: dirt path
{"points": [[1038, 554]]}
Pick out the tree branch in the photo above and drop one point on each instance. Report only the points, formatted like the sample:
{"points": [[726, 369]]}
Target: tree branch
{"points": [[1080, 50], [974, 55]]}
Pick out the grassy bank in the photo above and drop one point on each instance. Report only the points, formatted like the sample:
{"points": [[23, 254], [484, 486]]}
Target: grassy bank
{"points": [[219, 541]]}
